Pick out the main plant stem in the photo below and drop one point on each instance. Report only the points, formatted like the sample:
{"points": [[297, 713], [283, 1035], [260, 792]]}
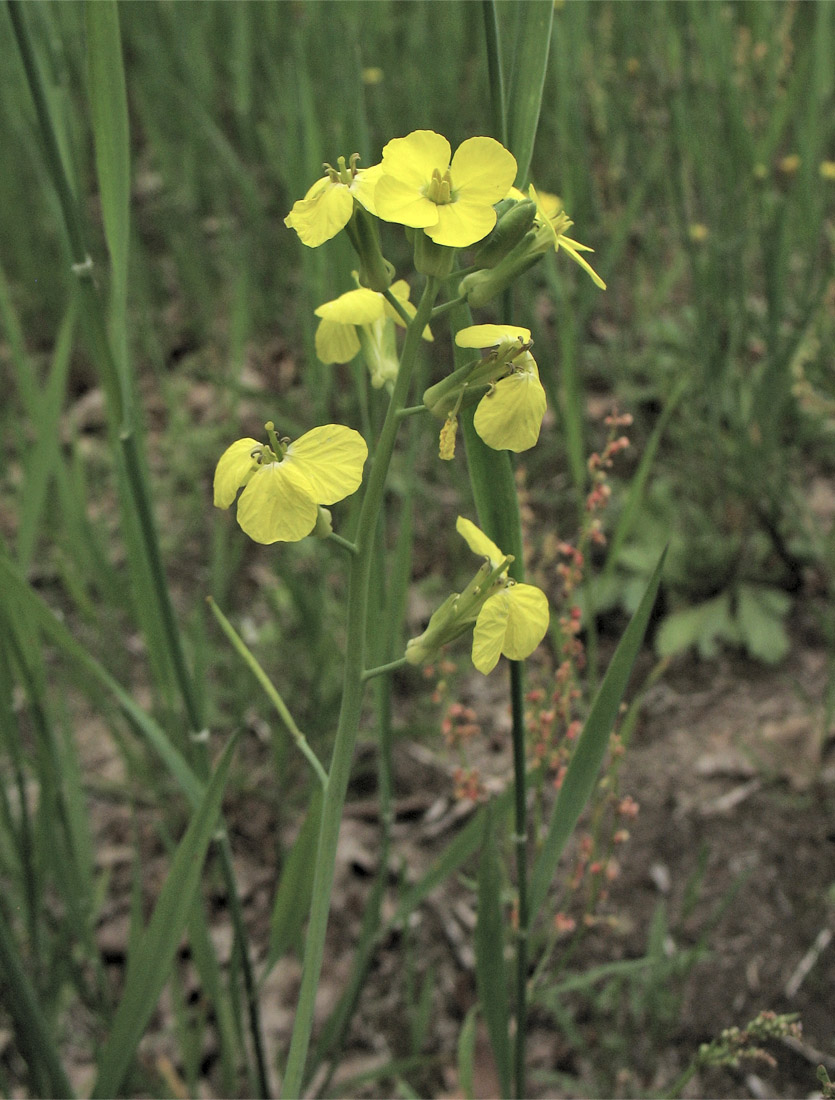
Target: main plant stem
{"points": [[350, 710]]}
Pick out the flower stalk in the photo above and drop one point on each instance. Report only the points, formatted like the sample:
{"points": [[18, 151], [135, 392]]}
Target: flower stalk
{"points": [[352, 695]]}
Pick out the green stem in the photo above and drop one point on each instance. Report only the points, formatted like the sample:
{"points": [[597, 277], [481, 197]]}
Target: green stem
{"points": [[346, 544], [439, 311], [392, 666], [266, 683], [412, 410], [350, 710], [517, 700]]}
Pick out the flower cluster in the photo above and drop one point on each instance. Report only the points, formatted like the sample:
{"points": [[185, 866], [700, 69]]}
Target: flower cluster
{"points": [[446, 201]]}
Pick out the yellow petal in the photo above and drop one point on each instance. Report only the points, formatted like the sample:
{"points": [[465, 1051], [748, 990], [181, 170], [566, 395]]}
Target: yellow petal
{"points": [[403, 203], [478, 542], [355, 307], [527, 620], [482, 170], [234, 469], [364, 185], [275, 507], [330, 459], [509, 417], [413, 158], [512, 622], [490, 336], [461, 223], [489, 632], [336, 343], [322, 213]]}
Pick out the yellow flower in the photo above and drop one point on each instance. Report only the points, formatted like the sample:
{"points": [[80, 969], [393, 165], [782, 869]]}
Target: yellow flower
{"points": [[509, 416], [367, 314], [284, 483], [327, 207], [451, 202], [514, 619]]}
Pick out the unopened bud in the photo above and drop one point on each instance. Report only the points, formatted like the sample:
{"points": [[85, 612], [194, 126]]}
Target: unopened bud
{"points": [[431, 258], [509, 231]]}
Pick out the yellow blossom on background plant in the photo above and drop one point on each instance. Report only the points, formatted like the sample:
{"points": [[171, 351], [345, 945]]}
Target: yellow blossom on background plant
{"points": [[514, 619], [452, 201], [509, 416], [327, 207], [284, 483], [338, 339]]}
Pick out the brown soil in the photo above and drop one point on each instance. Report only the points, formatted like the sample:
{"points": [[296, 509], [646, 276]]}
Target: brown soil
{"points": [[733, 845]]}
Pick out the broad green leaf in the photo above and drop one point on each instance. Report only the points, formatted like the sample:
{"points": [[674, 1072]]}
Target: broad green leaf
{"points": [[148, 974], [490, 975], [703, 626], [584, 766], [760, 612]]}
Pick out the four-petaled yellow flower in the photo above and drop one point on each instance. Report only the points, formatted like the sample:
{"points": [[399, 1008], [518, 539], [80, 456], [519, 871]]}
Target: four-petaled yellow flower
{"points": [[451, 202], [338, 334], [509, 416], [327, 207], [284, 483], [514, 619]]}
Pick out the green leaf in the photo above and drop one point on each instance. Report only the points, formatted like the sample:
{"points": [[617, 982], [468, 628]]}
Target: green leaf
{"points": [[466, 1053], [147, 974], [703, 626], [584, 766], [111, 135], [759, 614], [530, 64], [292, 898], [489, 952]]}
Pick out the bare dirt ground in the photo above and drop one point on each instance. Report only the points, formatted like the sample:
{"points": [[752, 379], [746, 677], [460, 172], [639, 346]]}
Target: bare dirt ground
{"points": [[734, 845]]}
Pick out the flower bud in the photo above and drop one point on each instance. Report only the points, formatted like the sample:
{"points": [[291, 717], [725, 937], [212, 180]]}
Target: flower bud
{"points": [[480, 287], [323, 528], [510, 229], [375, 272]]}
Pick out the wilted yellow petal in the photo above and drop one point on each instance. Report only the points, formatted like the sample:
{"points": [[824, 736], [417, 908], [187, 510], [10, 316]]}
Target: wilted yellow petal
{"points": [[276, 507], [355, 307], [527, 620], [331, 459], [322, 213], [336, 343], [489, 632], [512, 622], [234, 469], [478, 542], [509, 417], [491, 336]]}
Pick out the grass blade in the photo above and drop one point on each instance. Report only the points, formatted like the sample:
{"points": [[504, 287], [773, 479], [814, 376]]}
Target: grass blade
{"points": [[148, 975], [530, 64]]}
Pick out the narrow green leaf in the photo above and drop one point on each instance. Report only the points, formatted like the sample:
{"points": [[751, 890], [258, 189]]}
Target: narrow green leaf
{"points": [[40, 613], [148, 975], [584, 767], [491, 980], [530, 64], [33, 1034], [466, 1053], [292, 898], [111, 135]]}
